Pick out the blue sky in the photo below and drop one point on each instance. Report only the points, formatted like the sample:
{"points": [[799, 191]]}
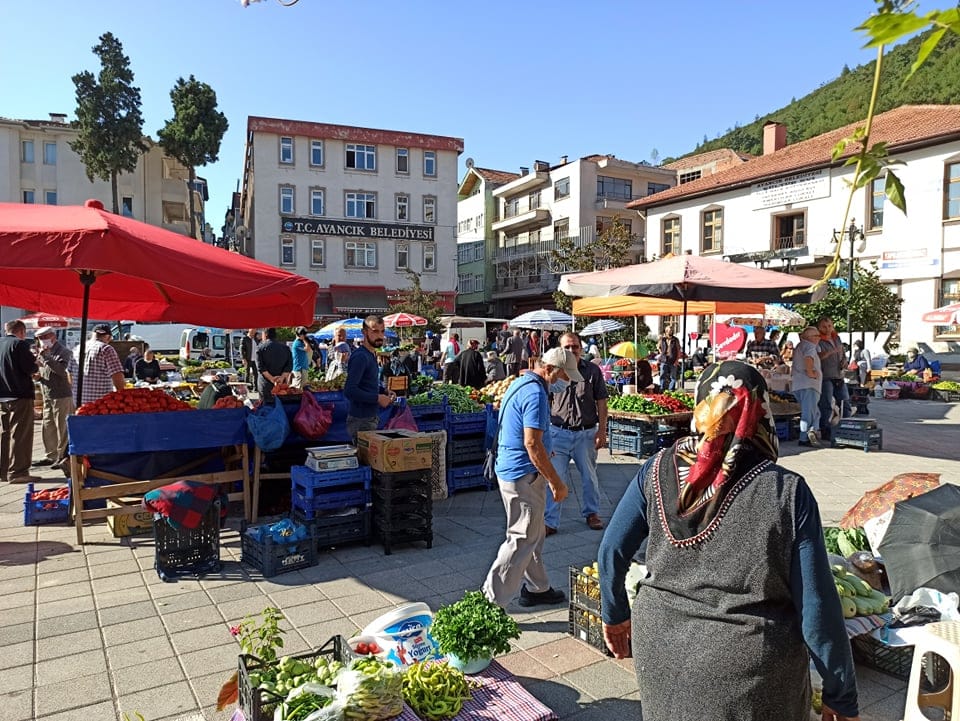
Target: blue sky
{"points": [[517, 81]]}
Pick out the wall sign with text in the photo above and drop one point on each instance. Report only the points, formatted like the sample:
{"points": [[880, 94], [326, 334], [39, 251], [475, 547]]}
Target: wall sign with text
{"points": [[355, 229]]}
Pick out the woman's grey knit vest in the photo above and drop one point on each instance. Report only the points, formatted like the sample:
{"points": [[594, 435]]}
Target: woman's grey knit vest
{"points": [[716, 636]]}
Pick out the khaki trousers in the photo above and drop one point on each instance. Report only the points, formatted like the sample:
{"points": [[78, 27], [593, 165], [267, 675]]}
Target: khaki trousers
{"points": [[16, 438], [54, 427], [520, 557]]}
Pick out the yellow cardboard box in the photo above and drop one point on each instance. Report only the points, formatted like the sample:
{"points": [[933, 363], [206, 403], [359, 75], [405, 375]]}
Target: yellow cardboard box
{"points": [[139, 524], [395, 451]]}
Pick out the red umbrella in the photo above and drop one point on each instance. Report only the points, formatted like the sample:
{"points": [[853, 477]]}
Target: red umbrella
{"points": [[48, 320], [403, 320], [881, 499], [128, 269], [947, 315]]}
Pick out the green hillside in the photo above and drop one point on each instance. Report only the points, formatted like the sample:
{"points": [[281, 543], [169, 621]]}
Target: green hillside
{"points": [[845, 99]]}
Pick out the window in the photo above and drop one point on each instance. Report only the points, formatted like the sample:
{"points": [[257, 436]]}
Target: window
{"points": [[429, 209], [49, 153], [316, 202], [50, 197], [318, 256], [711, 238], [464, 283], [534, 200], [360, 255], [361, 205], [669, 236], [614, 188], [26, 151], [605, 225], [789, 231], [287, 206], [28, 196], [478, 252], [361, 157], [288, 250], [656, 187], [403, 256], [286, 151], [175, 212], [561, 229], [511, 207], [126, 206], [403, 207], [951, 192], [875, 203], [429, 257], [403, 160], [316, 153], [561, 189], [430, 163], [949, 293], [689, 176], [478, 284]]}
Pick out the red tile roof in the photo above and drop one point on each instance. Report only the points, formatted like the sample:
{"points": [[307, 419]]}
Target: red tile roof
{"points": [[496, 177], [906, 126], [348, 133]]}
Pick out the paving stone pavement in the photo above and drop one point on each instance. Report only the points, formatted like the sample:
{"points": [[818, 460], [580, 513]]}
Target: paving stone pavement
{"points": [[91, 632]]}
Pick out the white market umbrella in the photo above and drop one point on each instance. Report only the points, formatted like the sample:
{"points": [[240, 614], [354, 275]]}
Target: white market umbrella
{"points": [[543, 320], [773, 314], [602, 327]]}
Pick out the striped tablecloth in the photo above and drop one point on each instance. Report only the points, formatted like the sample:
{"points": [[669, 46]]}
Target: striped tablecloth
{"points": [[860, 625], [501, 697]]}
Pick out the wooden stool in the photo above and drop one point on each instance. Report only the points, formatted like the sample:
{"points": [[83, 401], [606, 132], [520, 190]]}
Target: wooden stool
{"points": [[942, 639]]}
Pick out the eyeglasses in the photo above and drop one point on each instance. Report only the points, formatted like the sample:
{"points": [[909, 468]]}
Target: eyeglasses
{"points": [[571, 347]]}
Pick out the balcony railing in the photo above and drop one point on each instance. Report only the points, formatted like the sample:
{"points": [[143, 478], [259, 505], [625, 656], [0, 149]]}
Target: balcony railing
{"points": [[797, 240]]}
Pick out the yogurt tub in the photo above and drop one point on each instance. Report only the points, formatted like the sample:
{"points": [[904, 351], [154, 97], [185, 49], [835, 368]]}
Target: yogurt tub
{"points": [[404, 634]]}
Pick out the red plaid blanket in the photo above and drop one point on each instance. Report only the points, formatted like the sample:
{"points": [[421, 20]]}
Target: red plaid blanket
{"points": [[183, 503]]}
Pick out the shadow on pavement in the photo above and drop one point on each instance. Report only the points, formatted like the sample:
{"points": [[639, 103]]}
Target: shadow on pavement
{"points": [[569, 703], [28, 553]]}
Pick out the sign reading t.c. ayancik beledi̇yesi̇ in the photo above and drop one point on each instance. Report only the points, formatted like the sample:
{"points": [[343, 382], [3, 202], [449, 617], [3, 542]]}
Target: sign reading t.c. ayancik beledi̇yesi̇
{"points": [[352, 228]]}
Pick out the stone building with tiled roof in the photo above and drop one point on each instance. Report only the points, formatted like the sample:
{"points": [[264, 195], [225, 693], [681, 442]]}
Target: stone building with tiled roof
{"points": [[694, 167], [782, 210]]}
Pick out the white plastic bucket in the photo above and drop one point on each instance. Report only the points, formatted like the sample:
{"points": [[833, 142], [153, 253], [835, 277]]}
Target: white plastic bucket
{"points": [[404, 633]]}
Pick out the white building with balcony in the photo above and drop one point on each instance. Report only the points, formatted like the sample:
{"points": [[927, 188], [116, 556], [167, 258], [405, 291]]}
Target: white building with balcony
{"points": [[577, 200], [355, 209], [783, 210], [38, 166]]}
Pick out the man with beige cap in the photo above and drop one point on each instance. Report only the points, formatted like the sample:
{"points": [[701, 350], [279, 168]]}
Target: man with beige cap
{"points": [[54, 360]]}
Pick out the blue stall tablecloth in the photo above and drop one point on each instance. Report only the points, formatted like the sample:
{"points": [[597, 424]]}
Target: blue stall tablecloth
{"points": [[147, 432]]}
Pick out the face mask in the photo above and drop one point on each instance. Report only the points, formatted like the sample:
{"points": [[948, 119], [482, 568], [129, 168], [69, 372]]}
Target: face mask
{"points": [[47, 342], [559, 386]]}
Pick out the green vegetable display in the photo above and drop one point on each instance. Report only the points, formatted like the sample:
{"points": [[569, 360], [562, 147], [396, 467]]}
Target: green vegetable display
{"points": [[947, 386], [289, 673], [473, 627], [300, 705], [372, 690], [457, 396], [845, 541], [857, 597], [435, 690]]}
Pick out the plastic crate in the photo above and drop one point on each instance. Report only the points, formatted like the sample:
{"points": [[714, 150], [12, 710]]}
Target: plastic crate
{"points": [[460, 478], [272, 558], [404, 528], [390, 506], [340, 528], [632, 443], [467, 449], [586, 626], [420, 478], [94, 482], [584, 590], [428, 410], [857, 424], [430, 425], [865, 440], [260, 705], [944, 396], [788, 429], [188, 550], [897, 661], [39, 513], [313, 491]]}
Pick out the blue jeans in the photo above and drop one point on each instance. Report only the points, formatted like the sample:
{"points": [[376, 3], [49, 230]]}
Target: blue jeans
{"points": [[832, 389], [579, 447], [668, 376], [809, 400]]}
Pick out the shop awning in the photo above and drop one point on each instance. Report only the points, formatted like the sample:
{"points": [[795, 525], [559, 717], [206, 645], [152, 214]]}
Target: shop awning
{"points": [[359, 299], [323, 306], [629, 305]]}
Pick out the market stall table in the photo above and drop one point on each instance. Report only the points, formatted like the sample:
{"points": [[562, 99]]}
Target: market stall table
{"points": [[132, 453]]}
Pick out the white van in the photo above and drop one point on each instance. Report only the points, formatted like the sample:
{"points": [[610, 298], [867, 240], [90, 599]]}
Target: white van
{"points": [[205, 344], [469, 329]]}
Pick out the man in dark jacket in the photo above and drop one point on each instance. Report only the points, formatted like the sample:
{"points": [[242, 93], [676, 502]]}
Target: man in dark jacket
{"points": [[363, 381], [17, 366], [472, 373], [275, 362]]}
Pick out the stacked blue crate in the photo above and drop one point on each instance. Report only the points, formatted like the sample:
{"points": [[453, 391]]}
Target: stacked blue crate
{"points": [[335, 504], [466, 448], [430, 417]]}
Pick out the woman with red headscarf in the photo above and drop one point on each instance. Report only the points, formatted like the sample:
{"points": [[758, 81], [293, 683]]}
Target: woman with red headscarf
{"points": [[739, 594]]}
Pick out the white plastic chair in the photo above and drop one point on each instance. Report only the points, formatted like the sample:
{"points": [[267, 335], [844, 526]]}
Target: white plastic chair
{"points": [[942, 639]]}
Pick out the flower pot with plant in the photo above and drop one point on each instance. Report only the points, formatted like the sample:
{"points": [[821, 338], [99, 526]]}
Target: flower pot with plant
{"points": [[472, 631]]}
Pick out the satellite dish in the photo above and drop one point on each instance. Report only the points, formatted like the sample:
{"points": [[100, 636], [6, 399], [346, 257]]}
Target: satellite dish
{"points": [[241, 231], [469, 162]]}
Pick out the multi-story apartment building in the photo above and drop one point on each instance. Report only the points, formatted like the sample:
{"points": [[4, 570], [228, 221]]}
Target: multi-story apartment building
{"points": [[38, 166], [476, 241], [356, 209], [783, 210], [575, 200]]}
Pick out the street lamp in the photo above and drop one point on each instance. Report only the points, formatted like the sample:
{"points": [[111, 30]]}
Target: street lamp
{"points": [[853, 233]]}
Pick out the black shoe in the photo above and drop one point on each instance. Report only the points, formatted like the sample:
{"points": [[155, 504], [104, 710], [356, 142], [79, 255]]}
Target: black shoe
{"points": [[549, 597], [42, 462]]}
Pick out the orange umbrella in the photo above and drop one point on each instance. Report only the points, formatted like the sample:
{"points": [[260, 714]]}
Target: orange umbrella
{"points": [[882, 499]]}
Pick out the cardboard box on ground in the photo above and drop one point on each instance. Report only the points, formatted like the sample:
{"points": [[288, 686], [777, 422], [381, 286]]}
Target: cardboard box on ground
{"points": [[395, 451]]}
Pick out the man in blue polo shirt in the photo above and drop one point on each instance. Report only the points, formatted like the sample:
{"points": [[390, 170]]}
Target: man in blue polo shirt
{"points": [[524, 471]]}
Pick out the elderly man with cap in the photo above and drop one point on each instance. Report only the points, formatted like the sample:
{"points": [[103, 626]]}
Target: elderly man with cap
{"points": [[524, 472], [54, 360], [301, 359], [102, 369], [496, 370]]}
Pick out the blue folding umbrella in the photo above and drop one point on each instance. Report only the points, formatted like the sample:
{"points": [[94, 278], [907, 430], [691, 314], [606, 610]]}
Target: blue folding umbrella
{"points": [[353, 326]]}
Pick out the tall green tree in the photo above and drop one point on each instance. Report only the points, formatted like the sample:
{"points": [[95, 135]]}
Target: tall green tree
{"points": [[194, 133], [873, 306], [110, 139], [610, 249], [417, 301]]}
